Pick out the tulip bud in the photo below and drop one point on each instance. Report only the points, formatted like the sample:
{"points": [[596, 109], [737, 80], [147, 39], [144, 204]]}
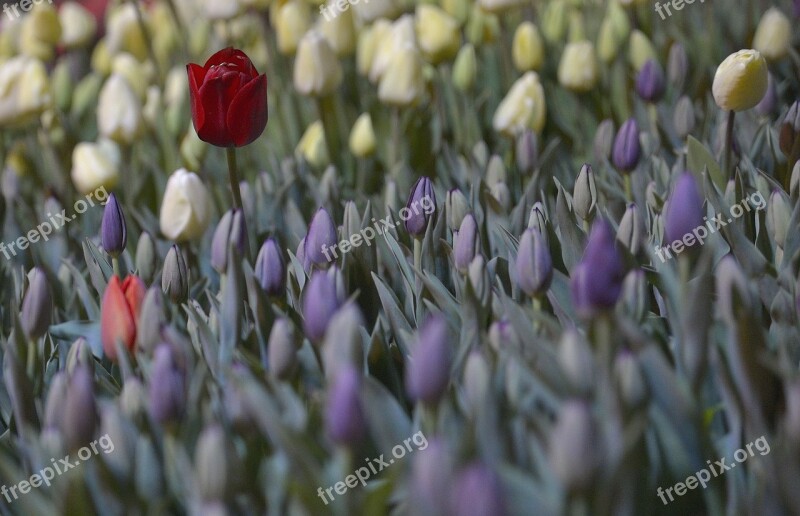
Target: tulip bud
{"points": [[467, 242], [362, 137], [345, 420], [533, 266], [78, 26], [282, 349], [55, 403], [677, 65], [584, 193], [527, 50], [166, 392], [596, 281], [795, 181], [317, 71], [133, 400], [650, 82], [430, 478], [321, 236], [339, 31], [537, 219], [779, 213], [789, 137], [554, 20], [640, 49], [768, 104], [402, 84], [457, 207], [113, 231], [732, 288], [522, 108], [231, 231], [420, 208], [477, 490], [146, 259], [574, 446], [614, 31], [428, 373], [270, 269], [465, 68], [151, 320], [527, 152], [684, 117], [321, 300], [119, 313], [577, 70], [773, 37], [80, 410], [575, 359], [40, 33], [175, 276], [631, 232], [627, 149], [119, 111], [216, 464], [343, 345], [438, 34], [124, 33], [80, 355], [740, 81], [137, 75], [185, 209], [479, 279], [684, 211], [604, 140], [291, 21], [502, 335], [312, 146], [95, 165], [37, 305]]}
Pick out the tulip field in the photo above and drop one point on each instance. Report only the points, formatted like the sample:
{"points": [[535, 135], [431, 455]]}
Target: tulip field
{"points": [[399, 257]]}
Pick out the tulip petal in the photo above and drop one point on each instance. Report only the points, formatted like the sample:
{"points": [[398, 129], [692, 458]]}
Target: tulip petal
{"points": [[116, 320], [233, 59], [196, 76], [216, 95], [248, 113], [134, 289]]}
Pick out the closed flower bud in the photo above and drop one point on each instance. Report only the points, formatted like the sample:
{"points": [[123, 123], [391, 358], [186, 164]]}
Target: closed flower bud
{"points": [[596, 281], [584, 194], [527, 151], [95, 165], [537, 219], [733, 291], [133, 400], [317, 71], [340, 31], [119, 313], [577, 70], [125, 34], [389, 39], [175, 276], [321, 236], [321, 300], [527, 50], [614, 32], [627, 149], [533, 266], [502, 335], [684, 211], [522, 108], [119, 111], [428, 373], [270, 269], [477, 491], [78, 26], [683, 117], [343, 345], [312, 146], [345, 421], [496, 6], [185, 208], [740, 81], [146, 258], [554, 20], [773, 37], [457, 207], [795, 181], [575, 446], [421, 207], [282, 349], [677, 66], [24, 91], [56, 398], [40, 33], [362, 137], [768, 104], [402, 84], [167, 387], [640, 49], [37, 305], [137, 75], [113, 231], [438, 33], [467, 242], [789, 137], [604, 140], [231, 231], [430, 478], [479, 279], [291, 20], [779, 213], [151, 319], [634, 294], [80, 415], [216, 464], [80, 355], [631, 232], [577, 363], [650, 83], [465, 68]]}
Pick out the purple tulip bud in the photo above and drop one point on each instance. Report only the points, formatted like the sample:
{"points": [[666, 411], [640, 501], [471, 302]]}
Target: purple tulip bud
{"points": [[37, 305], [321, 300], [431, 474], [650, 81], [797, 8], [113, 232], [684, 211], [575, 452], [534, 265], [270, 269], [420, 207], [166, 394], [677, 65], [466, 242], [478, 492], [321, 235], [344, 416], [428, 373], [597, 280], [80, 410], [627, 150], [769, 102], [231, 230], [527, 151]]}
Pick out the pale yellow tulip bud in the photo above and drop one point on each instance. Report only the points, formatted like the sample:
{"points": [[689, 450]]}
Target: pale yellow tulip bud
{"points": [[522, 108], [438, 34], [339, 31], [773, 36], [403, 83], [292, 21], [482, 27], [368, 41], [369, 11], [138, 75], [362, 137], [641, 50], [554, 20], [465, 68], [740, 81], [78, 26], [124, 34], [186, 207], [40, 33], [577, 70], [119, 111], [101, 58], [496, 6], [216, 10], [24, 91], [95, 165], [527, 50], [317, 70], [388, 44], [312, 147], [458, 9]]}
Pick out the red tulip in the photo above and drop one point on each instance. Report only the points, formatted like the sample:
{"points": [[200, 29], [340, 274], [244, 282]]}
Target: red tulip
{"points": [[119, 313], [229, 99]]}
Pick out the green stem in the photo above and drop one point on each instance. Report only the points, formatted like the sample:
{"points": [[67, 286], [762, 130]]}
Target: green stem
{"points": [[418, 253], [115, 265], [394, 149], [233, 177], [626, 177], [31, 366], [327, 115], [726, 163]]}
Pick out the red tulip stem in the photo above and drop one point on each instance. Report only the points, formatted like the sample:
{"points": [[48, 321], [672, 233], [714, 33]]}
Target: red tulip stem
{"points": [[234, 178]]}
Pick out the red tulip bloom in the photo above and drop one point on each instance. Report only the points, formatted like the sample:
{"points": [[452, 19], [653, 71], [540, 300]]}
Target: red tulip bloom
{"points": [[119, 313], [229, 99]]}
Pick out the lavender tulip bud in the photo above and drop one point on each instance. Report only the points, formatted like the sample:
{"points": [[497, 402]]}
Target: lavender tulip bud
{"points": [[428, 373], [343, 346], [175, 276], [650, 83], [113, 232], [769, 102], [527, 151], [457, 207], [37, 305], [584, 193], [476, 380], [230, 231], [629, 380], [479, 279], [270, 269], [677, 66], [627, 149], [604, 140], [56, 401], [146, 257], [421, 207], [345, 421], [683, 117], [282, 349], [151, 318], [534, 265], [80, 410], [577, 362], [80, 355], [321, 236], [537, 219], [467, 243], [477, 491], [321, 300], [166, 392], [684, 210], [575, 446], [216, 464], [502, 335], [631, 232], [431, 473], [597, 279]]}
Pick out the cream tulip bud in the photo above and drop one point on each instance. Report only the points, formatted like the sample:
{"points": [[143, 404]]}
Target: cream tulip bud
{"points": [[40, 33], [216, 10], [368, 12], [640, 50], [522, 108], [119, 111], [124, 33], [465, 68], [388, 43], [317, 71], [186, 207], [137, 74], [741, 81], [362, 137], [24, 91], [291, 21], [773, 36], [577, 70], [368, 42], [496, 6], [438, 34], [340, 31], [403, 83], [95, 165], [527, 49], [312, 146], [78, 26]]}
